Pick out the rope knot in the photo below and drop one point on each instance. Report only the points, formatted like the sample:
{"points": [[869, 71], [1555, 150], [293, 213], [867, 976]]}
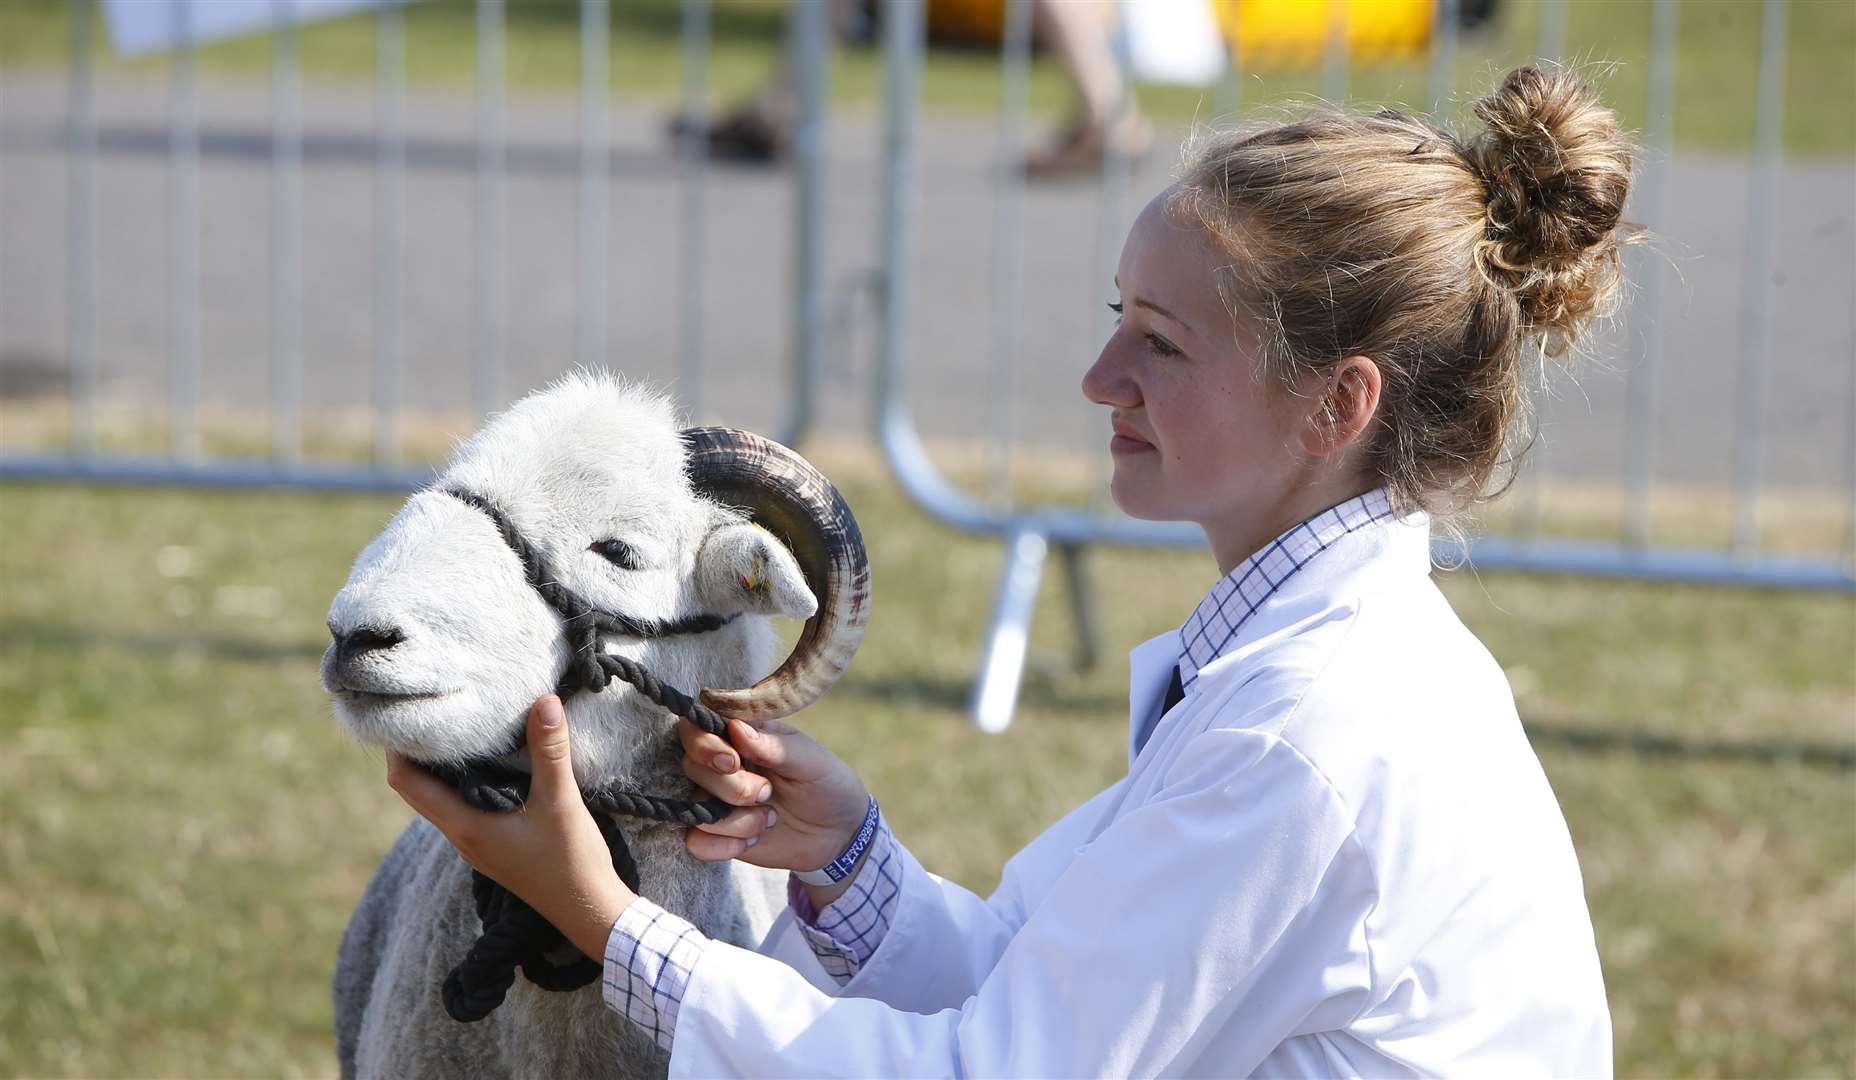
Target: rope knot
{"points": [[515, 936]]}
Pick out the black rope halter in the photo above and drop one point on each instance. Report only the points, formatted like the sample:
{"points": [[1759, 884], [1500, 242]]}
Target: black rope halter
{"points": [[515, 936]]}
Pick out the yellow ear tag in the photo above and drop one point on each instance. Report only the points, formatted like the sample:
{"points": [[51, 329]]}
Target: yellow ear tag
{"points": [[756, 581]]}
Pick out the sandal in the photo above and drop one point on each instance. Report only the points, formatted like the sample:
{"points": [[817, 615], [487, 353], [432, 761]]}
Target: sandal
{"points": [[1081, 150]]}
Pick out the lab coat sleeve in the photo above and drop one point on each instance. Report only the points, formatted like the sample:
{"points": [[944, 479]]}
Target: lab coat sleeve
{"points": [[941, 939], [1227, 907]]}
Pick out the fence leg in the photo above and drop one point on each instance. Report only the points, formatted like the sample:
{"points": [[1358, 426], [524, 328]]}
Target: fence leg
{"points": [[1082, 607], [995, 691]]}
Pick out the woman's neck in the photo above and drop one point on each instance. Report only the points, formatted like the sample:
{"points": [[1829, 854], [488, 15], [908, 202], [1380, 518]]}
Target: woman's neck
{"points": [[1232, 541]]}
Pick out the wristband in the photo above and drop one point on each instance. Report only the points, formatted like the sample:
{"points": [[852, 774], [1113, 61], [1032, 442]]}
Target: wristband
{"points": [[841, 867]]}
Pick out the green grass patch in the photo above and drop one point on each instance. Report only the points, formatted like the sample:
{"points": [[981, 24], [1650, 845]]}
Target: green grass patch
{"points": [[184, 828], [1716, 61]]}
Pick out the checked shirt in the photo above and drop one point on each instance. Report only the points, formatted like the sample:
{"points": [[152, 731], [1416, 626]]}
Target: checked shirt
{"points": [[651, 953], [1214, 624]]}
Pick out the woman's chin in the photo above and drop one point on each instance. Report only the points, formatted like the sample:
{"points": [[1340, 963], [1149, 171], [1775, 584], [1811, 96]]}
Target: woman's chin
{"points": [[1135, 497]]}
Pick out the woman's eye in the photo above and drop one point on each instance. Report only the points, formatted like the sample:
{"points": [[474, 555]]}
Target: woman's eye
{"points": [[619, 553], [1116, 308], [1161, 346]]}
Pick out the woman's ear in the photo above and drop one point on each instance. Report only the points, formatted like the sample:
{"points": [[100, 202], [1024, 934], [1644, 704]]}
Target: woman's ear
{"points": [[1349, 398]]}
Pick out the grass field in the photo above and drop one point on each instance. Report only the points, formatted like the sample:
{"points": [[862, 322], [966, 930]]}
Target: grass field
{"points": [[183, 828], [1716, 63]]}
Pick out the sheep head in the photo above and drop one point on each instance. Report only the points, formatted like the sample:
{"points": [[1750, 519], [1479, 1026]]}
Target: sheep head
{"points": [[441, 641]]}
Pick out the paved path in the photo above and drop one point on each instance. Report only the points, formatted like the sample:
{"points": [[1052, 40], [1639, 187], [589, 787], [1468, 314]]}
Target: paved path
{"points": [[1810, 390]]}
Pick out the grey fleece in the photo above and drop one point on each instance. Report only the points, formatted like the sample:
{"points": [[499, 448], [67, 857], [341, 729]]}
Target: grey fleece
{"points": [[416, 921]]}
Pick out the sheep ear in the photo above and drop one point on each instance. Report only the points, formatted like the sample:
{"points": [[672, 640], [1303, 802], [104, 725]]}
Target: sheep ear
{"points": [[744, 568]]}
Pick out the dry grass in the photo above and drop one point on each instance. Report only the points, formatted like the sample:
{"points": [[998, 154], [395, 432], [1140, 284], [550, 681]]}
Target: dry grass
{"points": [[183, 829]]}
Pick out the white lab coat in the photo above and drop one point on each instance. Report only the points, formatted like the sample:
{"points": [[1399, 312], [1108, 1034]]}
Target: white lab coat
{"points": [[1337, 856]]}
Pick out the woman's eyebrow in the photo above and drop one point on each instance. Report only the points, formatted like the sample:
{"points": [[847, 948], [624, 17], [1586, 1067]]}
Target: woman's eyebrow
{"points": [[1156, 308]]}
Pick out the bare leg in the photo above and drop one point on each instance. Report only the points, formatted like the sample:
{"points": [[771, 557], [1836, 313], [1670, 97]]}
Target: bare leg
{"points": [[758, 128], [1080, 32]]}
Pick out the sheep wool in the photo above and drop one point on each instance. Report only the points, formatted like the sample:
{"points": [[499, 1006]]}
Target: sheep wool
{"points": [[441, 644]]}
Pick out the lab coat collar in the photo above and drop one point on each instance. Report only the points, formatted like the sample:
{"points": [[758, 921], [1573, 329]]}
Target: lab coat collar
{"points": [[1215, 625], [1354, 565]]}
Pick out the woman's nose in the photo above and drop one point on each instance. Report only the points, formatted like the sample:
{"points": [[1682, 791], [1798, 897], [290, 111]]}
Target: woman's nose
{"points": [[1107, 383]]}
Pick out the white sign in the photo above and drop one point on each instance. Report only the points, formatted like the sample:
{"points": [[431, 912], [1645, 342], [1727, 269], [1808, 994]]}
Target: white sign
{"points": [[146, 26], [1172, 41]]}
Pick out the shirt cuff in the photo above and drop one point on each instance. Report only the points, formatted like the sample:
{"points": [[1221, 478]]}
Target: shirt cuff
{"points": [[649, 957], [846, 934]]}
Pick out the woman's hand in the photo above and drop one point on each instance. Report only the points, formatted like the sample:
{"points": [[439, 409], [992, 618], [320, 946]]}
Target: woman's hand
{"points": [[800, 807], [549, 852]]}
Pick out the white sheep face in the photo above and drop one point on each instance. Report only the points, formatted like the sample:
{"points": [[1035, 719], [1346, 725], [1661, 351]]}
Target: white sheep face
{"points": [[448, 644]]}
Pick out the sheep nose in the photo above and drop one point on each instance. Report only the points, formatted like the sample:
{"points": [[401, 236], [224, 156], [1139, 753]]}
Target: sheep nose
{"points": [[359, 642]]}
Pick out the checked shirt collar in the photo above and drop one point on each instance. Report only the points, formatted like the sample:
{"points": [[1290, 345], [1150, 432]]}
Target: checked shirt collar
{"points": [[1236, 597]]}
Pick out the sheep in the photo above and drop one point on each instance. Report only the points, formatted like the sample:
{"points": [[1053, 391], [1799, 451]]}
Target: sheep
{"points": [[440, 644]]}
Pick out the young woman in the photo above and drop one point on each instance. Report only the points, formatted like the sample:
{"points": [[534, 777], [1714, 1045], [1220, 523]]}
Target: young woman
{"points": [[1334, 852]]}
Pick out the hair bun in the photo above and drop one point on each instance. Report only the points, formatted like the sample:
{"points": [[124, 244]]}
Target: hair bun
{"points": [[1556, 169]]}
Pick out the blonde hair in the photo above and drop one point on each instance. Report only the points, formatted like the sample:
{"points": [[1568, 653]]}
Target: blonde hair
{"points": [[1386, 235]]}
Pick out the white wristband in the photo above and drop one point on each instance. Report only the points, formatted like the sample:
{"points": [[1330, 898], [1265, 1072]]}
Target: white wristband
{"points": [[841, 867]]}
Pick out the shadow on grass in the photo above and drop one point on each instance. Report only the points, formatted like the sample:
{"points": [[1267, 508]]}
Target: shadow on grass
{"points": [[1041, 691], [254, 146], [59, 637], [1655, 744]]}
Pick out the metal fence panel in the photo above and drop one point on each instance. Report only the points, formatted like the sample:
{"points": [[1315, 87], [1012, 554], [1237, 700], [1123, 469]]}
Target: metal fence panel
{"points": [[411, 149], [1028, 530], [487, 164]]}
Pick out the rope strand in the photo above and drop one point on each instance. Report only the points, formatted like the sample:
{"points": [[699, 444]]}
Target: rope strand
{"points": [[515, 936]]}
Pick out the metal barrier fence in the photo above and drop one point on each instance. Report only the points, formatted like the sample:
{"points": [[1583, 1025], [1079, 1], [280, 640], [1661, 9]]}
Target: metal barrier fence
{"points": [[185, 461], [1029, 531]]}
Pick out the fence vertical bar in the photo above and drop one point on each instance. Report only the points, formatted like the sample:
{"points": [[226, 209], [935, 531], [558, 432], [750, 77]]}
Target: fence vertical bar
{"points": [[692, 173], [1756, 295], [1550, 42], [286, 238], [487, 377], [1647, 315], [1082, 606], [1008, 239], [809, 24], [389, 230], [1550, 35], [902, 48], [1528, 515], [1111, 227], [81, 233], [1849, 457], [1008, 635], [595, 158], [1228, 97], [1334, 60], [184, 241], [1443, 54]]}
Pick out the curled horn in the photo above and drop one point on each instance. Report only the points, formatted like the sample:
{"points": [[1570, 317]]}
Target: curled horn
{"points": [[789, 498]]}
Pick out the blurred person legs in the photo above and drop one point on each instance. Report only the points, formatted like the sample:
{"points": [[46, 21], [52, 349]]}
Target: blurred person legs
{"points": [[1081, 33], [759, 130]]}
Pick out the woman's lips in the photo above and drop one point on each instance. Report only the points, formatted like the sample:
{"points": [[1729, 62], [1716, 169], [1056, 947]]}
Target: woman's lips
{"points": [[1127, 441]]}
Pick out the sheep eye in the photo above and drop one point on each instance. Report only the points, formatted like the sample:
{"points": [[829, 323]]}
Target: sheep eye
{"points": [[619, 553]]}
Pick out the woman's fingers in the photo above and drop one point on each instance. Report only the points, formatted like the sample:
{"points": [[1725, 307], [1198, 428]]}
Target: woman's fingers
{"points": [[743, 823], [550, 754], [709, 749], [739, 788], [420, 790], [711, 848], [781, 748]]}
